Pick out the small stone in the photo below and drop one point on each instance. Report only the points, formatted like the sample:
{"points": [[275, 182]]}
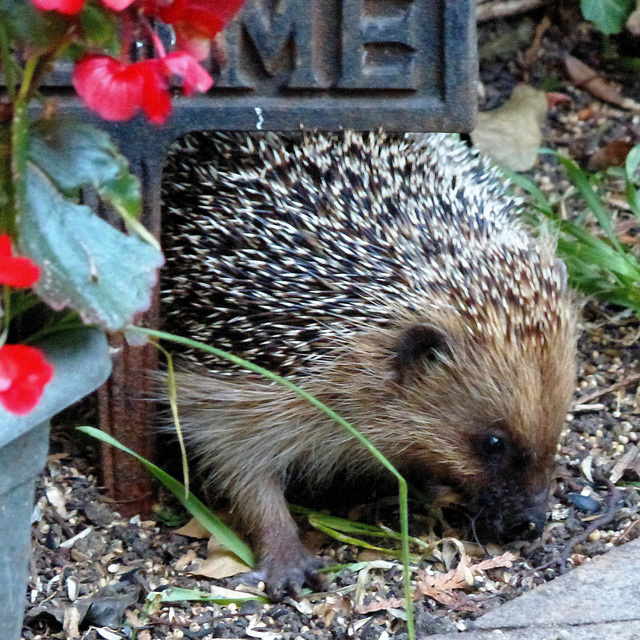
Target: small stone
{"points": [[584, 503]]}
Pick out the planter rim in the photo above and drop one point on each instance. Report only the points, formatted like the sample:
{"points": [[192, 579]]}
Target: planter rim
{"points": [[81, 363]]}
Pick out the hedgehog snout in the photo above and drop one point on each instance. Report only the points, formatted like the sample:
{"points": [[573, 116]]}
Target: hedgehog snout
{"points": [[502, 517]]}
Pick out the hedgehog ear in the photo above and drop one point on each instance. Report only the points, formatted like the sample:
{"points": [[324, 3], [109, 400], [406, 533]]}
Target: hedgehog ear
{"points": [[419, 344]]}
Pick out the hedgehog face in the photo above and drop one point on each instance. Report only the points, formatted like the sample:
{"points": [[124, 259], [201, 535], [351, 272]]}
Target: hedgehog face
{"points": [[486, 419]]}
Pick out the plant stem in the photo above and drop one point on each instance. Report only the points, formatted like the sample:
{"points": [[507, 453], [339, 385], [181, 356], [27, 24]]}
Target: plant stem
{"points": [[402, 484], [6, 317], [8, 64]]}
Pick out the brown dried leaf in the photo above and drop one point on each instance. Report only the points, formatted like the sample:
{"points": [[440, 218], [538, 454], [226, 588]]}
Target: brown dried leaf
{"points": [[441, 582], [185, 560], [71, 623], [613, 154], [584, 77], [633, 22], [628, 461], [220, 563], [193, 529], [511, 134], [503, 561], [380, 605], [445, 589]]}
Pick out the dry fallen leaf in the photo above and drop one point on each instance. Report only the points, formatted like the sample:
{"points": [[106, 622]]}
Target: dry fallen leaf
{"points": [[504, 561], [613, 154], [56, 500], [184, 561], [628, 461], [445, 589], [220, 563], [511, 134], [584, 77], [71, 623], [633, 21], [193, 529], [380, 605]]}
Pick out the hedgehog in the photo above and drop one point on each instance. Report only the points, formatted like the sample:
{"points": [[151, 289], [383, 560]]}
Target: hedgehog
{"points": [[393, 277]]}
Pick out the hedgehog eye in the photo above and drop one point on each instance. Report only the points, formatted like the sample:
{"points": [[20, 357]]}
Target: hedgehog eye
{"points": [[493, 446]]}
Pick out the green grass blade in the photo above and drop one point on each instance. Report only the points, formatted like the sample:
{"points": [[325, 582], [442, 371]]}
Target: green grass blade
{"points": [[540, 200], [582, 184], [341, 537], [179, 594], [196, 508]]}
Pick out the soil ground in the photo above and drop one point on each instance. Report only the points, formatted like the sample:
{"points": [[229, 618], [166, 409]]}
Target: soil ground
{"points": [[86, 554]]}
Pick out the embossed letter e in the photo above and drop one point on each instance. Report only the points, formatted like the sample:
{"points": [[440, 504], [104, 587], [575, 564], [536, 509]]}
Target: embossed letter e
{"points": [[378, 44]]}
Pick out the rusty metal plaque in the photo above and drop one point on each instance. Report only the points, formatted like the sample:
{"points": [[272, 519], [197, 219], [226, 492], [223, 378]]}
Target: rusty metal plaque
{"points": [[401, 65]]}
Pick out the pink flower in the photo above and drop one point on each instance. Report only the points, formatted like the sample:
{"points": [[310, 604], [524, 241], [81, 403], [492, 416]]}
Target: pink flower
{"points": [[117, 91], [68, 7], [194, 77], [73, 7], [195, 22], [24, 372], [205, 18], [15, 271]]}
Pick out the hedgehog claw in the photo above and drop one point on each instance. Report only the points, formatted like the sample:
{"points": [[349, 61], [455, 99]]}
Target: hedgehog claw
{"points": [[288, 581], [285, 581]]}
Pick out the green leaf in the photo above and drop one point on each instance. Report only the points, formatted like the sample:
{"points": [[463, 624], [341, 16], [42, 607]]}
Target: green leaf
{"points": [[42, 30], [100, 28], [203, 515], [217, 595], [631, 165], [75, 155], [87, 264], [609, 16]]}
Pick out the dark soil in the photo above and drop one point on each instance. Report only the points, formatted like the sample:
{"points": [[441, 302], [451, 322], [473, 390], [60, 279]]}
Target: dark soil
{"points": [[86, 554]]}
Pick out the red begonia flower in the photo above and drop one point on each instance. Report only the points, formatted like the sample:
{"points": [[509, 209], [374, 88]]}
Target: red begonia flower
{"points": [[194, 77], [156, 101], [68, 7], [73, 7], [24, 372], [205, 18], [16, 271], [109, 87], [199, 48], [118, 5], [117, 91]]}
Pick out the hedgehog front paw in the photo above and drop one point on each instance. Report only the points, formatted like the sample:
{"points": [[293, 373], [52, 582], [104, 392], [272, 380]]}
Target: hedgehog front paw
{"points": [[286, 578]]}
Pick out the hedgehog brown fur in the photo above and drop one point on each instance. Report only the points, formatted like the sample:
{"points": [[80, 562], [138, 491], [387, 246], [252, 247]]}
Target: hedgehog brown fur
{"points": [[391, 277]]}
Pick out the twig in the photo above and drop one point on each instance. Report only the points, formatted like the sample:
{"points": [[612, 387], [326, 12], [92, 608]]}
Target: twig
{"points": [[504, 8], [614, 387], [613, 496]]}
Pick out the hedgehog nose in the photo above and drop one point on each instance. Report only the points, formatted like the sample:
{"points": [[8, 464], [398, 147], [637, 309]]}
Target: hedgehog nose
{"points": [[529, 523], [528, 527]]}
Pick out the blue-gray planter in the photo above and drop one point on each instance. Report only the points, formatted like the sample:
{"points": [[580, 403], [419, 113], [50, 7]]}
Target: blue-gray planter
{"points": [[81, 364]]}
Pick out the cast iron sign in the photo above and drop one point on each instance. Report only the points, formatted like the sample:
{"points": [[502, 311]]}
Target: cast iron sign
{"points": [[406, 65]]}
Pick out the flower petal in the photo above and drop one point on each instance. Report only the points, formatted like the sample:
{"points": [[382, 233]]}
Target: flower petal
{"points": [[205, 17], [156, 101], [118, 5], [194, 77], [112, 89], [16, 271], [24, 372], [68, 7]]}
